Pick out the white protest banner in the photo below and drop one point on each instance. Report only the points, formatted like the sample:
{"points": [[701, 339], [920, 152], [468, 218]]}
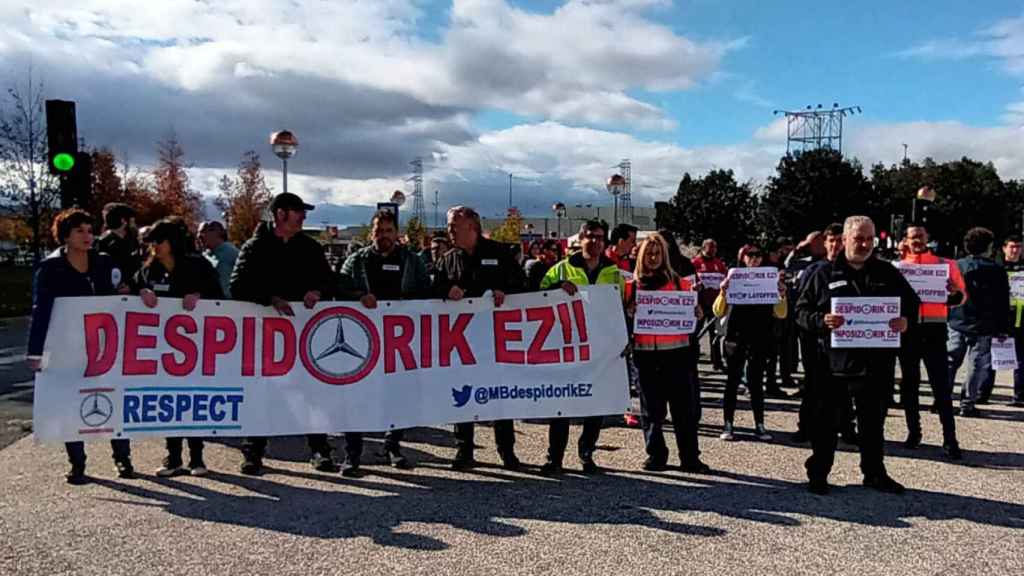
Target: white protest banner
{"points": [[928, 280], [115, 369], [1004, 354], [753, 286], [665, 312], [866, 322], [1017, 286], [711, 280]]}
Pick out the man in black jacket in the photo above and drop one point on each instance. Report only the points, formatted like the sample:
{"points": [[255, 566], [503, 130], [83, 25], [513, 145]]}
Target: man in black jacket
{"points": [[867, 373], [278, 265], [473, 266], [120, 241]]}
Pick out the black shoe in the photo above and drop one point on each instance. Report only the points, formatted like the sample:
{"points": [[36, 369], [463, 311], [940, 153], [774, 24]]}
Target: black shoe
{"points": [[884, 484], [969, 412], [589, 466], [913, 441], [510, 462], [799, 437], [463, 461], [953, 451], [850, 437], [252, 466], [983, 400], [696, 467], [652, 465], [818, 486], [775, 392], [396, 459], [76, 476], [124, 468], [350, 469], [551, 467], [323, 462]]}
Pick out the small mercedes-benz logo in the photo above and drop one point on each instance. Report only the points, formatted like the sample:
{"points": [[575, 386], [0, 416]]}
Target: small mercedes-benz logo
{"points": [[96, 409], [339, 345]]}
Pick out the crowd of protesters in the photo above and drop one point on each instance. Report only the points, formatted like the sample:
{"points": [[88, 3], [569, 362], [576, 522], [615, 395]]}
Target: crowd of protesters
{"points": [[844, 393]]}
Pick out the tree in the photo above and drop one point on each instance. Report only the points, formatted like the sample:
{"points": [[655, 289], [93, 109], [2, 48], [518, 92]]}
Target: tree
{"points": [[244, 199], [173, 195], [814, 188], [713, 206], [25, 179], [508, 232], [415, 234]]}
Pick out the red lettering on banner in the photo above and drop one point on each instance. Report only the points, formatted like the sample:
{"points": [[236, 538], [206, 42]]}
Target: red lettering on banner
{"points": [[271, 328], [426, 342], [536, 354], [248, 346], [99, 362], [453, 337], [400, 343], [178, 341], [133, 342], [568, 353], [581, 327], [503, 335], [212, 345]]}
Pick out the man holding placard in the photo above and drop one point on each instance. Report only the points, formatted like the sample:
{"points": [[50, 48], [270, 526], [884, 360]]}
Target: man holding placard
{"points": [[842, 303], [939, 285]]}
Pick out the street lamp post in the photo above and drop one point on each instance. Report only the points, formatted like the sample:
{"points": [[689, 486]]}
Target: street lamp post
{"points": [[559, 210], [285, 145], [616, 185]]}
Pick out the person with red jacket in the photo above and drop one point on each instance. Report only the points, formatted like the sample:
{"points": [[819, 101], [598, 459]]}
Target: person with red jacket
{"points": [[927, 341], [707, 262], [665, 365]]}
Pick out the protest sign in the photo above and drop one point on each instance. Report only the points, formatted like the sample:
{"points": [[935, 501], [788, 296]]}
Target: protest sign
{"points": [[665, 312], [1004, 354], [113, 368], [866, 322], [928, 280], [753, 286]]}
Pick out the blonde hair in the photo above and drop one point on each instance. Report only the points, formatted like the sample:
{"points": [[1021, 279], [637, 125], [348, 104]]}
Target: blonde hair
{"points": [[641, 267]]}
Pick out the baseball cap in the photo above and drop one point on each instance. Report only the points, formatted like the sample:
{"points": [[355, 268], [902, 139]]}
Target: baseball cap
{"points": [[289, 201]]}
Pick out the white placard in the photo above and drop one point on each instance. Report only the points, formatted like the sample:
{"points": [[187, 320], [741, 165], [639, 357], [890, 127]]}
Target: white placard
{"points": [[866, 322], [113, 368], [711, 280], [1017, 286], [1004, 354], [928, 280], [665, 312], [753, 286]]}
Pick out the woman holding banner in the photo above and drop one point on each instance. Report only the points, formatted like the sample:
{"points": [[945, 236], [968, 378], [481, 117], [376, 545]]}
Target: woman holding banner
{"points": [[747, 331], [73, 270], [666, 366], [170, 271]]}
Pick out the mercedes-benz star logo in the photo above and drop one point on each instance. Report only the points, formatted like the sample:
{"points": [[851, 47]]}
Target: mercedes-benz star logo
{"points": [[96, 409], [339, 345]]}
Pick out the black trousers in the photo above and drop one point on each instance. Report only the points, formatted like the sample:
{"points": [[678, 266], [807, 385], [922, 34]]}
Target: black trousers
{"points": [[256, 447], [789, 350], [195, 450], [76, 451], [871, 397], [742, 355], [558, 438], [504, 437], [814, 368], [354, 443], [667, 383], [927, 342]]}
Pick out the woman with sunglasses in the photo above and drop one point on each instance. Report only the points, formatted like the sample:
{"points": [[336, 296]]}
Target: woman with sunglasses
{"points": [[666, 367], [748, 329]]}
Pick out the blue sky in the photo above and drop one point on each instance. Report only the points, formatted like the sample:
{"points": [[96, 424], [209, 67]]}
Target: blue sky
{"points": [[555, 92]]}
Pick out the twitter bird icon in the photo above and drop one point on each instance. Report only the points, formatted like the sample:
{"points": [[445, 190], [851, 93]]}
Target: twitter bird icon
{"points": [[460, 397]]}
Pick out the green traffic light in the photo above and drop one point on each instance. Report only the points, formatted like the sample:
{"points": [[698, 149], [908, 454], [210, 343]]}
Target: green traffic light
{"points": [[63, 161]]}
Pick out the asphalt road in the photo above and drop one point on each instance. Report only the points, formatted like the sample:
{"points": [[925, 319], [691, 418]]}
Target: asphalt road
{"points": [[752, 516]]}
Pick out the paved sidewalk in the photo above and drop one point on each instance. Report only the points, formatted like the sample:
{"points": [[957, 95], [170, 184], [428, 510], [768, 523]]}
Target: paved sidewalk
{"points": [[752, 516]]}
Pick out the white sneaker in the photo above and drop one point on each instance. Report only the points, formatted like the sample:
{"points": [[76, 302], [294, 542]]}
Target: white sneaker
{"points": [[761, 434], [199, 470], [168, 471], [727, 434]]}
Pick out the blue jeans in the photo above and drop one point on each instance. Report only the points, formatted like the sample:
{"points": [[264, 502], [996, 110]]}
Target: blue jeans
{"points": [[978, 350]]}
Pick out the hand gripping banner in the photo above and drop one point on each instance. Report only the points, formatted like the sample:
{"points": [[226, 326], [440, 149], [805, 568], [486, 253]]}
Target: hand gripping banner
{"points": [[113, 368]]}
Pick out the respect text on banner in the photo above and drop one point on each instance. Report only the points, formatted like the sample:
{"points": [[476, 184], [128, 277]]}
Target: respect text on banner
{"points": [[115, 369]]}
